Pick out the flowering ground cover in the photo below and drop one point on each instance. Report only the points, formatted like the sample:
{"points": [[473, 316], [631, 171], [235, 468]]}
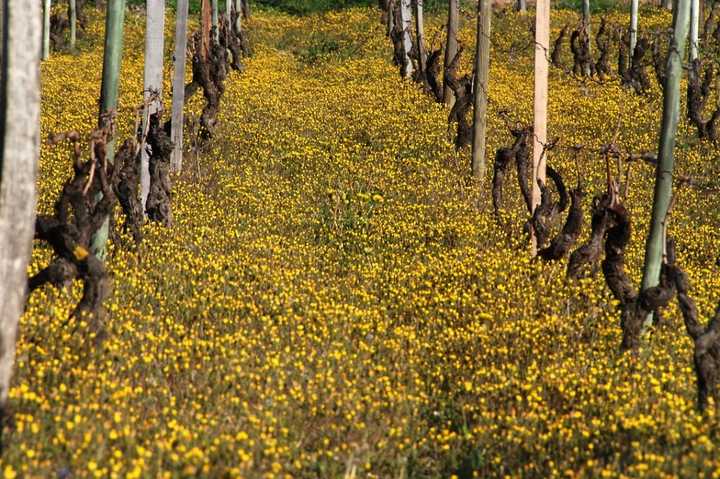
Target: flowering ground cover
{"points": [[336, 297]]}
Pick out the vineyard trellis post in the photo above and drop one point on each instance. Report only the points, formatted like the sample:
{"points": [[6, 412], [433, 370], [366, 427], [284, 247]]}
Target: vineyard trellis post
{"points": [[19, 153], [216, 32], [153, 81], [694, 28], [178, 86], [47, 5], [451, 47], [482, 66], [205, 28], [540, 101], [406, 23], [420, 34], [586, 27], [238, 15], [112, 59], [73, 23], [662, 195], [633, 25]]}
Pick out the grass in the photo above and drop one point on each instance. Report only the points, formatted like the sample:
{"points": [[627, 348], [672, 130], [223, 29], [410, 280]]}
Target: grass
{"points": [[307, 7], [336, 298], [193, 5], [297, 7]]}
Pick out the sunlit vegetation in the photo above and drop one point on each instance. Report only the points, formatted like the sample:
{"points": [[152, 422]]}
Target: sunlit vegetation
{"points": [[337, 297]]}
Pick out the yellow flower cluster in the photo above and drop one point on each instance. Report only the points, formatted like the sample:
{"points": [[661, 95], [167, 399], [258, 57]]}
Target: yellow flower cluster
{"points": [[336, 299]]}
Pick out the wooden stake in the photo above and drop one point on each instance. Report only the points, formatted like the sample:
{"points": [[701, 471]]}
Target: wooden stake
{"points": [[482, 67], [205, 25], [542, 47], [73, 24], [153, 75], [178, 99], [451, 47]]}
